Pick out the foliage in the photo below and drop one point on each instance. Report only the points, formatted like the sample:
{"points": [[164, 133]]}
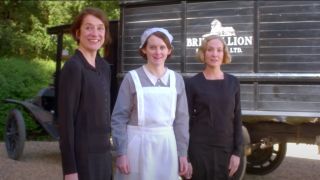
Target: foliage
{"points": [[23, 33], [21, 80], [23, 24]]}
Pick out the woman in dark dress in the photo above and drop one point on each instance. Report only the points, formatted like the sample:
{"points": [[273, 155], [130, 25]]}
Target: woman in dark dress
{"points": [[214, 108], [84, 102]]}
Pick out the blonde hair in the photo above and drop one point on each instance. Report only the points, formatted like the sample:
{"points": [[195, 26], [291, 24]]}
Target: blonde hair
{"points": [[203, 48]]}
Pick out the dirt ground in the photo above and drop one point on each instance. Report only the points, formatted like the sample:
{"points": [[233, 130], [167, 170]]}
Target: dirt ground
{"points": [[41, 160]]}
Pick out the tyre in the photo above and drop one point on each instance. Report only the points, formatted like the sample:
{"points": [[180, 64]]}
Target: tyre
{"points": [[15, 134], [264, 161]]}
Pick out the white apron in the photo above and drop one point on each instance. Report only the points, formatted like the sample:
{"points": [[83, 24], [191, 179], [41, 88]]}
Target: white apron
{"points": [[152, 149]]}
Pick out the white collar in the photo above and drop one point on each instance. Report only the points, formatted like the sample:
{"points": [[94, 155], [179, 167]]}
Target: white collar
{"points": [[164, 79]]}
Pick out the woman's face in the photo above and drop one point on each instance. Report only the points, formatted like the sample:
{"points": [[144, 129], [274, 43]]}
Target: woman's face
{"points": [[214, 53], [91, 33], [156, 51]]}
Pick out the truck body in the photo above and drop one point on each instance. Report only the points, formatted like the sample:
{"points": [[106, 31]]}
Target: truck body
{"points": [[275, 49]]}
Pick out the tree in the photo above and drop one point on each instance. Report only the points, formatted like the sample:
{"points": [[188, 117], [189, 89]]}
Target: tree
{"points": [[23, 24]]}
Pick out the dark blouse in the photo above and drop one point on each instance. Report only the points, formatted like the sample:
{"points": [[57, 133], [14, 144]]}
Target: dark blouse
{"points": [[83, 111], [215, 113]]}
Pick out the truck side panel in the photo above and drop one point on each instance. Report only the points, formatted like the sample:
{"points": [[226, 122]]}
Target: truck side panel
{"points": [[275, 46]]}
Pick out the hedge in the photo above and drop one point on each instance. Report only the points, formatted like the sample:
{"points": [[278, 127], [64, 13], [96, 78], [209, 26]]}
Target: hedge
{"points": [[22, 79]]}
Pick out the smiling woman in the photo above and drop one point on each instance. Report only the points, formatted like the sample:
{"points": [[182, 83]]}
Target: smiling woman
{"points": [[91, 37], [150, 119], [215, 147], [84, 102]]}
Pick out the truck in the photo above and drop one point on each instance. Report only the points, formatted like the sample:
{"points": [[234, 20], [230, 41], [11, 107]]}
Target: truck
{"points": [[275, 48]]}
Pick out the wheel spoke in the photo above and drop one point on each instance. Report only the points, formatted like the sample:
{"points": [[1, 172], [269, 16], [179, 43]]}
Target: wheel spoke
{"points": [[12, 145], [271, 161], [11, 133]]}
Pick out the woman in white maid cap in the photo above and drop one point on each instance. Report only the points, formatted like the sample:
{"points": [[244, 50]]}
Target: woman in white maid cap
{"points": [[150, 118]]}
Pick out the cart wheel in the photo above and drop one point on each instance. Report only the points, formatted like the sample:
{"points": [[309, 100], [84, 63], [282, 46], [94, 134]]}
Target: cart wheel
{"points": [[264, 161], [15, 134]]}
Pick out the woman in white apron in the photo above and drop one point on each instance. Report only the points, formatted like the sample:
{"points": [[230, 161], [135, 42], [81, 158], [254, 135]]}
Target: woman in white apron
{"points": [[150, 120]]}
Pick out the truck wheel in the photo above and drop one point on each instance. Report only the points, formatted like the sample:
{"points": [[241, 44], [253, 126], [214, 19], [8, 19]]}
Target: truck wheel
{"points": [[15, 134], [264, 161]]}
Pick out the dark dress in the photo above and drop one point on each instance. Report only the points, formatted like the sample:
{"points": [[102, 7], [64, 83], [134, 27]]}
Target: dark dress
{"points": [[84, 118], [215, 125]]}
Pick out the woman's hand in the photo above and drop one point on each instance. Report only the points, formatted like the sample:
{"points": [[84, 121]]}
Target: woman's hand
{"points": [[73, 176], [189, 173], [233, 164], [122, 164], [183, 166]]}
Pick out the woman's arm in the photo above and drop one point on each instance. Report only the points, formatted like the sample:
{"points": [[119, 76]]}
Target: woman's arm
{"points": [[68, 102], [121, 114], [238, 140], [181, 122]]}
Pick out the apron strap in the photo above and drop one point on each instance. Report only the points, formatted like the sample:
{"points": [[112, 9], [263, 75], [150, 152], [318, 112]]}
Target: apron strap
{"points": [[140, 101]]}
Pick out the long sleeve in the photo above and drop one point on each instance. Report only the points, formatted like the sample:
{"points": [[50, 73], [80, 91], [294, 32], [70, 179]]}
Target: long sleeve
{"points": [[68, 100], [190, 100], [238, 140], [121, 115], [181, 122]]}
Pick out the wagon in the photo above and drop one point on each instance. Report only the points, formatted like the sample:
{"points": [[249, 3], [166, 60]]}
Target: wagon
{"points": [[43, 107]]}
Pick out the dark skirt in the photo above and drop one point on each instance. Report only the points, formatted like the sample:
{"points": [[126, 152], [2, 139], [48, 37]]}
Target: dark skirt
{"points": [[98, 167], [209, 162]]}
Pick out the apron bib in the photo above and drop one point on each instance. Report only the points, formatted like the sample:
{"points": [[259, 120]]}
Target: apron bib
{"points": [[152, 149]]}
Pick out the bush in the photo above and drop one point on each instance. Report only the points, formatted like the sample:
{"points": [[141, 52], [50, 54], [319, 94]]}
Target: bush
{"points": [[21, 79]]}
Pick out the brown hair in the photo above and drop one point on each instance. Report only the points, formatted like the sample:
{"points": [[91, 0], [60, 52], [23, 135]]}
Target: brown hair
{"points": [[203, 48], [98, 13], [161, 36]]}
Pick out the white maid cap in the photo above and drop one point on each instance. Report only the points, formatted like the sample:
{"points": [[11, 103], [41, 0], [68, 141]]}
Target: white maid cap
{"points": [[150, 31]]}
